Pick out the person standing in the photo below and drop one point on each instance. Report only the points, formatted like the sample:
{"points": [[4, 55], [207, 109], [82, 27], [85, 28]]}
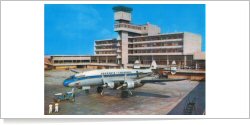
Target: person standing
{"points": [[56, 107], [50, 108]]}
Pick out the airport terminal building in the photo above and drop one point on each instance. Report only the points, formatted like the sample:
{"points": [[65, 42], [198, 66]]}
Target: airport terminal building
{"points": [[138, 42]]}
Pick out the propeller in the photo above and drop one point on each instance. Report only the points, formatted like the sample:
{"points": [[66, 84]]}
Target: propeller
{"points": [[103, 79], [104, 85], [102, 92], [125, 76], [124, 84], [130, 92]]}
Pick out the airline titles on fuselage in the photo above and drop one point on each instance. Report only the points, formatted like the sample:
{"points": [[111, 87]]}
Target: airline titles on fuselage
{"points": [[113, 73]]}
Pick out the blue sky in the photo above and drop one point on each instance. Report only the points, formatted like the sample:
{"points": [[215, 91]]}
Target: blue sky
{"points": [[71, 29]]}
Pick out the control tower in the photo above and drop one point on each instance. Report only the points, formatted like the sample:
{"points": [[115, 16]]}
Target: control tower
{"points": [[125, 29]]}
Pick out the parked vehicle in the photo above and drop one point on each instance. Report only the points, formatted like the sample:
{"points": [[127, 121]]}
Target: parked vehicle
{"points": [[64, 96]]}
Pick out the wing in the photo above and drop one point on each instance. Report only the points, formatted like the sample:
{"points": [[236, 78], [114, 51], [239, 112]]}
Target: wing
{"points": [[125, 83], [160, 80]]}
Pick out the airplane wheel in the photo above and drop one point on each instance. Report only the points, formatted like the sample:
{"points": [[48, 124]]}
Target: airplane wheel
{"points": [[99, 89], [124, 94]]}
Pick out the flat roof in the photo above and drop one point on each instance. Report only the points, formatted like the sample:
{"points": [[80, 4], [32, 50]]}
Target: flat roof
{"points": [[122, 8], [72, 55], [114, 39]]}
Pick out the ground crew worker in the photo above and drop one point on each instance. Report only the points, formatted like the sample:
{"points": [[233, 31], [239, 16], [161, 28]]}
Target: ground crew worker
{"points": [[50, 108], [56, 107]]}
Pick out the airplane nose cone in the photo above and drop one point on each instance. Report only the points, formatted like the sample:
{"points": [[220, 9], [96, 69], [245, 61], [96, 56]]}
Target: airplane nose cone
{"points": [[66, 83]]}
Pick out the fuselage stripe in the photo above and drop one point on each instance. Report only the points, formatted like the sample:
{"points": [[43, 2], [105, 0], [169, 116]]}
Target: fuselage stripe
{"points": [[111, 75]]}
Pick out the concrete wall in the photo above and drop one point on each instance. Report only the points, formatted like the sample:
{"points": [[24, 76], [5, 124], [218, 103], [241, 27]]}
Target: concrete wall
{"points": [[130, 28], [124, 38], [199, 56], [64, 67], [91, 67], [153, 29], [122, 16], [71, 58], [191, 43]]}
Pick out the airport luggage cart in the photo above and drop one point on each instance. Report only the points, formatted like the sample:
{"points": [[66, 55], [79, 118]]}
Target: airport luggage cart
{"points": [[64, 96]]}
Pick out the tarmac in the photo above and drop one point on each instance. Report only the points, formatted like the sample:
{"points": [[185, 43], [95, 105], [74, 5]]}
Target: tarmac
{"points": [[168, 98]]}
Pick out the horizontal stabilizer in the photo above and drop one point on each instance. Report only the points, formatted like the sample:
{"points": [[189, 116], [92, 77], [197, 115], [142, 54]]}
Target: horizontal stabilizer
{"points": [[75, 71]]}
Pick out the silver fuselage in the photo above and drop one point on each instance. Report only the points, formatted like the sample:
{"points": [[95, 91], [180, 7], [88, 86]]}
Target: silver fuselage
{"points": [[97, 77]]}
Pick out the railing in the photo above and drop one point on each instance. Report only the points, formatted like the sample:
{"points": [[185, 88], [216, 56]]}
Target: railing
{"points": [[155, 41], [90, 63], [154, 47], [161, 53], [118, 56], [118, 50], [106, 54], [114, 49], [130, 26], [106, 44]]}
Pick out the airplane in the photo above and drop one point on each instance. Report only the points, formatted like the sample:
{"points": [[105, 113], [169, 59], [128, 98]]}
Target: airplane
{"points": [[120, 79]]}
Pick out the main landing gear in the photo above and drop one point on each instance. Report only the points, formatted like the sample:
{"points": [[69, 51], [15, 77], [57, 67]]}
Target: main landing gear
{"points": [[126, 93], [99, 90]]}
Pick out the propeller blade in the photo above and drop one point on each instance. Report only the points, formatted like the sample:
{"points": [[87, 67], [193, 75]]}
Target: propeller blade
{"points": [[130, 92], [105, 85], [102, 79], [123, 85], [125, 76], [102, 92], [119, 87]]}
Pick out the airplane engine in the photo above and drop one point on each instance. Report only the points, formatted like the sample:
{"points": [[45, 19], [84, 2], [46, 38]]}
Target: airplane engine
{"points": [[130, 84]]}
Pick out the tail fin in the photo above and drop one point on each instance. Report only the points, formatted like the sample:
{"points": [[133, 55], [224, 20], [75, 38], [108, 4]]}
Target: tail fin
{"points": [[153, 65], [137, 64]]}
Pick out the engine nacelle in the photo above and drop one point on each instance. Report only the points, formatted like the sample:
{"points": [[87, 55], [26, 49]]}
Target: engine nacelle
{"points": [[130, 84], [111, 84]]}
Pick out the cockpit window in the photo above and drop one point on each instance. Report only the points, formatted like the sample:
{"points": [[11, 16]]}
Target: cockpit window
{"points": [[80, 76], [71, 77]]}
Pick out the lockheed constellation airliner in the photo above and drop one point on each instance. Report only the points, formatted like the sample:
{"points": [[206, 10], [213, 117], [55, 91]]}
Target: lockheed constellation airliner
{"points": [[120, 79]]}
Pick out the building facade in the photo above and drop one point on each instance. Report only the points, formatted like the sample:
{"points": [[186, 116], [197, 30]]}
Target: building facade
{"points": [[139, 42]]}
